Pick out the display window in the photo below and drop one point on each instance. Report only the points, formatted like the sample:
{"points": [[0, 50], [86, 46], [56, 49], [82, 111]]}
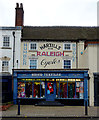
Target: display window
{"points": [[36, 91], [28, 89], [61, 88], [21, 89], [42, 89], [57, 89], [79, 89], [71, 89]]}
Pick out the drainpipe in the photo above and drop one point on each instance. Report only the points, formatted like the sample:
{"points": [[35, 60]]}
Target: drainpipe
{"points": [[77, 55], [13, 48]]}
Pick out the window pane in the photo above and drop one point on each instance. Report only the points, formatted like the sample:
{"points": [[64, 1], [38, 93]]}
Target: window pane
{"points": [[67, 64], [33, 46], [67, 46], [5, 65], [33, 64], [6, 41]]}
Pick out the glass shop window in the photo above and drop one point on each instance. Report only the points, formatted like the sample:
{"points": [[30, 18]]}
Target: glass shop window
{"points": [[28, 89], [21, 89], [57, 89], [63, 90], [36, 92], [71, 89], [42, 89], [79, 90]]}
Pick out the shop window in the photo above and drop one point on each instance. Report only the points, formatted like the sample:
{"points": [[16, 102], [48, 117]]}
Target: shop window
{"points": [[57, 89], [33, 46], [79, 90], [67, 46], [21, 89], [28, 89], [33, 64], [42, 89], [36, 92], [67, 64], [63, 90], [71, 89], [5, 66], [6, 41]]}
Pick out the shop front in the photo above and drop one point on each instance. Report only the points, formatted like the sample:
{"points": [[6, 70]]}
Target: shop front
{"points": [[50, 85]]}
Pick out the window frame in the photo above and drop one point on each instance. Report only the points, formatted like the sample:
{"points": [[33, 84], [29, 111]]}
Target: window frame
{"points": [[32, 66], [65, 65], [5, 67], [30, 46], [67, 44], [6, 43]]}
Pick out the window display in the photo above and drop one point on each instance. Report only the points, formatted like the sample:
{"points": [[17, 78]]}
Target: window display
{"points": [[63, 90], [21, 89], [36, 91], [28, 89], [71, 89], [79, 90], [42, 89]]}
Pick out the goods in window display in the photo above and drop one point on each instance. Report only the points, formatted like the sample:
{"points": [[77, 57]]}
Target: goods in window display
{"points": [[71, 91], [65, 90], [21, 89]]}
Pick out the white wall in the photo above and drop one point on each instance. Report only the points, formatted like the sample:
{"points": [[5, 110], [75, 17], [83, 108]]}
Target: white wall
{"points": [[9, 52]]}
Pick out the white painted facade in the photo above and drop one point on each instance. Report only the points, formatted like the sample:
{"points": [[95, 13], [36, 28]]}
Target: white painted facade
{"points": [[6, 53], [89, 59]]}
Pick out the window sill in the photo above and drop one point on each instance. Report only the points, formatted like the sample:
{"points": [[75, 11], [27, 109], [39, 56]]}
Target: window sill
{"points": [[6, 48], [67, 50]]}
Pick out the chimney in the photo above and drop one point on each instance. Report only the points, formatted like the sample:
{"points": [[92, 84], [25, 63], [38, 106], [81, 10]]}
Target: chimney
{"points": [[19, 17]]}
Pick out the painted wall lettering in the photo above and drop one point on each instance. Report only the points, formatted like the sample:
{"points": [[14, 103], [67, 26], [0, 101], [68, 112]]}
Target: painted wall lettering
{"points": [[50, 46], [74, 52], [50, 53], [25, 54], [45, 63]]}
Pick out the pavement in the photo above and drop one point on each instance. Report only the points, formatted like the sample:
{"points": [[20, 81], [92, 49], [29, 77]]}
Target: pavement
{"points": [[50, 111]]}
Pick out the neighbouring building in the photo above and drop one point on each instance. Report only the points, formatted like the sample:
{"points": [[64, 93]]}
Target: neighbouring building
{"points": [[9, 58]]}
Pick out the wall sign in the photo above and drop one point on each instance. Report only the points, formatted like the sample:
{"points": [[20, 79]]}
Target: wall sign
{"points": [[45, 62], [25, 54], [50, 46]]}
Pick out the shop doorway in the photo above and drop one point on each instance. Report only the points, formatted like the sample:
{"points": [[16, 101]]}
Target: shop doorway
{"points": [[50, 91]]}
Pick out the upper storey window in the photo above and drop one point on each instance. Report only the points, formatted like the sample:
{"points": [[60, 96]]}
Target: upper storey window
{"points": [[67, 46], [6, 41], [33, 46]]}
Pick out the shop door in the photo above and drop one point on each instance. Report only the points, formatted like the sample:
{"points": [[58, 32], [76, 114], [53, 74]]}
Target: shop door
{"points": [[50, 91]]}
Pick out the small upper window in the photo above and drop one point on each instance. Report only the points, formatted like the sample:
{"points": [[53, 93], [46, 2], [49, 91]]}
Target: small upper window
{"points": [[5, 66], [6, 41], [67, 64], [67, 46], [33, 64], [33, 46]]}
